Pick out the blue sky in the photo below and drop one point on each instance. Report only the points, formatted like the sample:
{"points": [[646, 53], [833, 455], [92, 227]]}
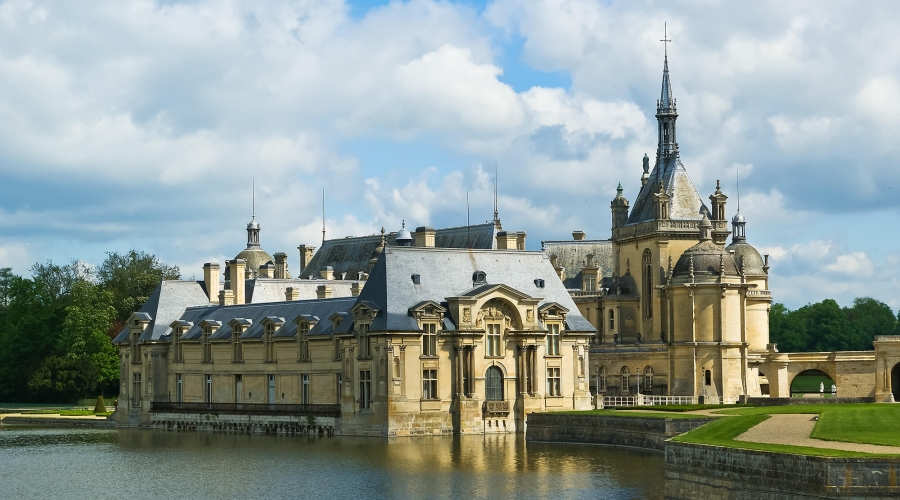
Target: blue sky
{"points": [[141, 124]]}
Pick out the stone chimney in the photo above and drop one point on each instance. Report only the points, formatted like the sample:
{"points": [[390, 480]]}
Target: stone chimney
{"points": [[511, 240], [226, 297], [306, 255], [323, 292], [291, 293], [424, 236], [281, 266], [578, 235], [355, 288], [327, 273], [236, 279], [520, 240], [211, 281], [267, 270]]}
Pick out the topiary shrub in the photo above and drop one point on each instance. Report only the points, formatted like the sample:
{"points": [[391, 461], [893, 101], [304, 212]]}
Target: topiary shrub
{"points": [[100, 407]]}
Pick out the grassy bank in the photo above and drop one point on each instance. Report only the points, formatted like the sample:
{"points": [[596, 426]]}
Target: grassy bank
{"points": [[656, 412], [866, 423], [68, 413]]}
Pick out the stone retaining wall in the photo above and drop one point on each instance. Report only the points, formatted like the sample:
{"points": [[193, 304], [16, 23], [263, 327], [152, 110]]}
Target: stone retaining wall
{"points": [[244, 424], [703, 471], [57, 421], [640, 432]]}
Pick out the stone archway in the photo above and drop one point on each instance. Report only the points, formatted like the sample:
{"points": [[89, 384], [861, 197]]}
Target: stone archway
{"points": [[810, 382], [895, 382]]}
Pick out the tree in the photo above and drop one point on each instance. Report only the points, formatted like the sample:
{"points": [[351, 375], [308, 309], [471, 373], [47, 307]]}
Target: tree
{"points": [[131, 278], [829, 329], [787, 329], [6, 276], [870, 317], [88, 318], [59, 280]]}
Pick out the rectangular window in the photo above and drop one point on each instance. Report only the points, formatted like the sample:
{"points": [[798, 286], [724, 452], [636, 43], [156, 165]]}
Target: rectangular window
{"points": [[553, 340], [493, 340], [304, 349], [207, 348], [340, 387], [179, 388], [304, 389], [135, 348], [270, 343], [208, 390], [429, 339], [363, 339], [553, 382], [179, 352], [238, 348], [338, 352], [136, 389], [365, 389], [429, 384]]}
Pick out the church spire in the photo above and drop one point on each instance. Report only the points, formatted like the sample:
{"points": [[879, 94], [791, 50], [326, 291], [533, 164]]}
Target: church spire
{"points": [[253, 226], [666, 113]]}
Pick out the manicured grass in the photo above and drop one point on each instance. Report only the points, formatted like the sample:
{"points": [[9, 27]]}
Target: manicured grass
{"points": [[635, 414], [721, 432], [874, 424], [810, 383], [67, 413], [680, 408], [867, 423]]}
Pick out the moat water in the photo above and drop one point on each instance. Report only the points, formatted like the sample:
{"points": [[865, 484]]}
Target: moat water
{"points": [[92, 464]]}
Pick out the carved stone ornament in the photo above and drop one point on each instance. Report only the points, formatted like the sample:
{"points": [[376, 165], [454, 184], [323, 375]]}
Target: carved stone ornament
{"points": [[496, 309], [529, 315], [467, 315]]}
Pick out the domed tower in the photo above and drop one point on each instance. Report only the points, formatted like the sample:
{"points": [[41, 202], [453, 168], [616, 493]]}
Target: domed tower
{"points": [[404, 238], [619, 207], [755, 272], [708, 342]]}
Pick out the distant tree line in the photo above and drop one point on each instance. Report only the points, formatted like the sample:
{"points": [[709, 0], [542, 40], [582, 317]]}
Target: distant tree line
{"points": [[56, 327], [826, 326]]}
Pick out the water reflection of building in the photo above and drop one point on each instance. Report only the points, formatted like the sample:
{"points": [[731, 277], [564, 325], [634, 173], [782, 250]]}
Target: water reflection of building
{"points": [[428, 340]]}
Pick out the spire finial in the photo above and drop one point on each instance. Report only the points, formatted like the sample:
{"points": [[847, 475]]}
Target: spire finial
{"points": [[737, 175], [665, 40], [496, 197], [323, 215], [253, 201]]}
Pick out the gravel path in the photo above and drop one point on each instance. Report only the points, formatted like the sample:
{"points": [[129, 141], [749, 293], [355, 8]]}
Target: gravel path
{"points": [[794, 430]]}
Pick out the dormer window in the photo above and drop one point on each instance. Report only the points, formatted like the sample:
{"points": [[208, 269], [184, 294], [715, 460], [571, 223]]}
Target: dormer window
{"points": [[176, 341], [270, 342], [238, 345], [553, 339], [429, 339], [416, 279], [302, 340], [207, 347]]}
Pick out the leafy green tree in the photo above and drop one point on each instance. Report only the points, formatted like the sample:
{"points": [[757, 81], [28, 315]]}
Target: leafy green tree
{"points": [[787, 329], [870, 317], [84, 332], [6, 277], [131, 278], [829, 329], [63, 378], [59, 280]]}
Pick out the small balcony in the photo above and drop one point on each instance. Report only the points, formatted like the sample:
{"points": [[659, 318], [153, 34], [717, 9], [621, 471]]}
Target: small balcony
{"points": [[315, 410], [496, 408]]}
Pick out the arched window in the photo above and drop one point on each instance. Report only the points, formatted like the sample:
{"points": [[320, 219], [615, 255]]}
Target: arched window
{"points": [[493, 388], [625, 383], [612, 320], [648, 379], [647, 292], [708, 377], [601, 379]]}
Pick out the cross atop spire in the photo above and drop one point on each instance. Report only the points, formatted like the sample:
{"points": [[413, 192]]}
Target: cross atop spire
{"points": [[665, 40]]}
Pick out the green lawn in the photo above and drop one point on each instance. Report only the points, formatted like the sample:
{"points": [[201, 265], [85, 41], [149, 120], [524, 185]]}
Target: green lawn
{"points": [[810, 383], [867, 423], [680, 408]]}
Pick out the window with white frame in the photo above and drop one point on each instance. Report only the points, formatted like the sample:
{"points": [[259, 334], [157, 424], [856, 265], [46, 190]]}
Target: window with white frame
{"points": [[612, 320], [553, 340], [625, 381], [429, 384], [553, 382], [493, 340], [601, 379], [304, 389], [648, 378], [429, 339]]}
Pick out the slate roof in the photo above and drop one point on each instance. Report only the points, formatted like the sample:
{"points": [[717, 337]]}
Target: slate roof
{"points": [[263, 290], [685, 202], [287, 311], [166, 304], [351, 255], [572, 254], [448, 273]]}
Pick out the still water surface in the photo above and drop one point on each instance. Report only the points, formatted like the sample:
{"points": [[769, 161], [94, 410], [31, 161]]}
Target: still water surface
{"points": [[138, 464]]}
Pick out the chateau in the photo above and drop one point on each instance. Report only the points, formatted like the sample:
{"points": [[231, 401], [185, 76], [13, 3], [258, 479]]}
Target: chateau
{"points": [[461, 330]]}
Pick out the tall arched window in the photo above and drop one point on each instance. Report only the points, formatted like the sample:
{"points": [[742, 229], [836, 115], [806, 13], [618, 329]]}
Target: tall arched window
{"points": [[647, 292], [625, 384], [648, 379], [493, 388], [601, 379]]}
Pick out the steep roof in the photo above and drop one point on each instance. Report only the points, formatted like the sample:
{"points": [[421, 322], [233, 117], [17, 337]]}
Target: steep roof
{"points": [[351, 255], [572, 255], [685, 202], [165, 305], [262, 290], [447, 273]]}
